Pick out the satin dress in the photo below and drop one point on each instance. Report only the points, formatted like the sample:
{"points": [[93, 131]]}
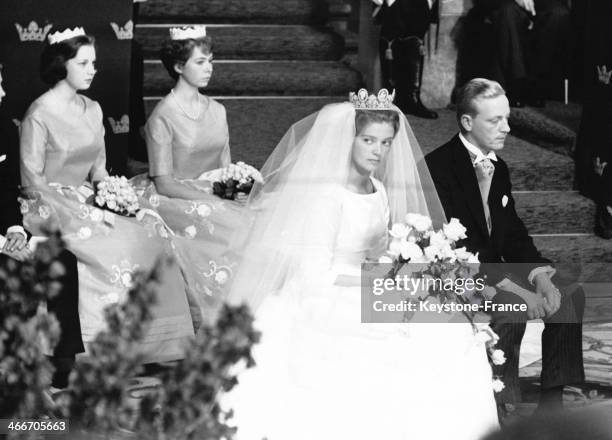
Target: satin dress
{"points": [[184, 147], [61, 155]]}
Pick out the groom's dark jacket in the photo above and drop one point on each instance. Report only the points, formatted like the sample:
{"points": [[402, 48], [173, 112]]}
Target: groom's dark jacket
{"points": [[455, 180]]}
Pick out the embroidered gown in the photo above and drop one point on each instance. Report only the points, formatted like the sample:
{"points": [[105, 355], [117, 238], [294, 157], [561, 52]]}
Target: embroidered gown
{"points": [[185, 148], [322, 374], [61, 156]]}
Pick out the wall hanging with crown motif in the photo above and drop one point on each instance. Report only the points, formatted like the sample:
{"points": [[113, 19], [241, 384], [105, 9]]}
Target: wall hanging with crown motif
{"points": [[25, 26]]}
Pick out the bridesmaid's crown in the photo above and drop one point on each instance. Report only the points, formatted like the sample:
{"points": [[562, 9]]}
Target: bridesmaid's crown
{"points": [[382, 101], [186, 32], [66, 34]]}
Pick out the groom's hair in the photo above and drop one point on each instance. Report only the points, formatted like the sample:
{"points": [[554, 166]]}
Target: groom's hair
{"points": [[473, 90]]}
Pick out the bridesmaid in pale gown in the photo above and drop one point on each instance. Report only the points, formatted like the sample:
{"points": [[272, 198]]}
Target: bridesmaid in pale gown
{"points": [[187, 135], [62, 156]]}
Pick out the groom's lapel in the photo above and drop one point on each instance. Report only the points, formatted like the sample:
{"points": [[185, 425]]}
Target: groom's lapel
{"points": [[466, 177]]}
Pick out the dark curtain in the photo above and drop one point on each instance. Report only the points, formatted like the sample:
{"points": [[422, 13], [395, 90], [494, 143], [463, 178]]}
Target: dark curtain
{"points": [[595, 134]]}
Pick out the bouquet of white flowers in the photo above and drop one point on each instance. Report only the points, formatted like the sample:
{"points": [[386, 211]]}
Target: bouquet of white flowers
{"points": [[118, 195], [434, 255], [235, 179]]}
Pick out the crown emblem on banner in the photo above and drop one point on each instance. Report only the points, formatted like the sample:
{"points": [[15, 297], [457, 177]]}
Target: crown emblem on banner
{"points": [[120, 126], [66, 34], [185, 32], [33, 32], [382, 101], [124, 33]]}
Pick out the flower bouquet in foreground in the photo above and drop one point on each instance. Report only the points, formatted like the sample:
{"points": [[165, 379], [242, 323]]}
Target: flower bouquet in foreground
{"points": [[446, 271], [118, 195], [236, 180]]}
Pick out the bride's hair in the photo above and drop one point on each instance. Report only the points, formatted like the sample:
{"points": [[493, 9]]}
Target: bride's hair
{"points": [[363, 118], [179, 51]]}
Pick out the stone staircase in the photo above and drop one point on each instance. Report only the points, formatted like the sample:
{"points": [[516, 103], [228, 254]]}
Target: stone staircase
{"points": [[275, 62]]}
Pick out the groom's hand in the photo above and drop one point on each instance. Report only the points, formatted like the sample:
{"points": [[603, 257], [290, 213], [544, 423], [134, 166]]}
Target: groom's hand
{"points": [[549, 292], [535, 306]]}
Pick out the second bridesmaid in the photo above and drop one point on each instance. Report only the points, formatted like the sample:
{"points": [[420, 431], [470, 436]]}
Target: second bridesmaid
{"points": [[187, 135]]}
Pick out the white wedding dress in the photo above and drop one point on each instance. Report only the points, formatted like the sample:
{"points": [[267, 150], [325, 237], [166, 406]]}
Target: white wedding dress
{"points": [[323, 375]]}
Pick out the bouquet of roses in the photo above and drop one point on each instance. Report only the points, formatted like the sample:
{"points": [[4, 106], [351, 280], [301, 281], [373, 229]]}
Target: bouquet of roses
{"points": [[432, 253], [236, 179], [435, 255], [118, 195]]}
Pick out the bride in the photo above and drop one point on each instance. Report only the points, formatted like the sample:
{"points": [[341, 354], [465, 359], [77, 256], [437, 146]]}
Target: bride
{"points": [[333, 185]]}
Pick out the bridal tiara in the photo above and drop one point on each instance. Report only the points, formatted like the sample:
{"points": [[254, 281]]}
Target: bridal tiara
{"points": [[187, 32], [363, 101], [66, 34]]}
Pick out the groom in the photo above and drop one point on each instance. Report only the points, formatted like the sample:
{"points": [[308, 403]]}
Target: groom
{"points": [[474, 186]]}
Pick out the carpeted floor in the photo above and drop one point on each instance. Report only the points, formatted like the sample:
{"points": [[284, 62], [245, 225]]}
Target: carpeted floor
{"points": [[597, 351]]}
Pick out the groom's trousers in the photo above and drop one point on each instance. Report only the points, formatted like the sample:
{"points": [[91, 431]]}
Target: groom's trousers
{"points": [[527, 47], [562, 362]]}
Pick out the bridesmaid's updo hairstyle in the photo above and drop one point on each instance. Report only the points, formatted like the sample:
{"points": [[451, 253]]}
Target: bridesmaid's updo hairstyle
{"points": [[54, 57], [363, 118], [179, 51]]}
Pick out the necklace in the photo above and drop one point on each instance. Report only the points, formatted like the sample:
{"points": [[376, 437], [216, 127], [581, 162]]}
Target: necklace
{"points": [[193, 118]]}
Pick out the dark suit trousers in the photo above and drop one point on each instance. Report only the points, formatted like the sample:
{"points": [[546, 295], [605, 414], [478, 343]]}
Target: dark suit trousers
{"points": [[405, 26], [399, 73], [65, 307], [562, 362], [537, 53]]}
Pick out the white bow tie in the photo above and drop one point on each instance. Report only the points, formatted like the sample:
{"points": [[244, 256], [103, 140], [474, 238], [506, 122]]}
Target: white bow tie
{"points": [[390, 2], [480, 157], [380, 2]]}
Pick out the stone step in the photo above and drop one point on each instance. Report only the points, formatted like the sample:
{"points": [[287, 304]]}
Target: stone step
{"points": [[531, 168], [254, 42], [555, 212], [232, 11], [276, 78], [586, 255]]}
